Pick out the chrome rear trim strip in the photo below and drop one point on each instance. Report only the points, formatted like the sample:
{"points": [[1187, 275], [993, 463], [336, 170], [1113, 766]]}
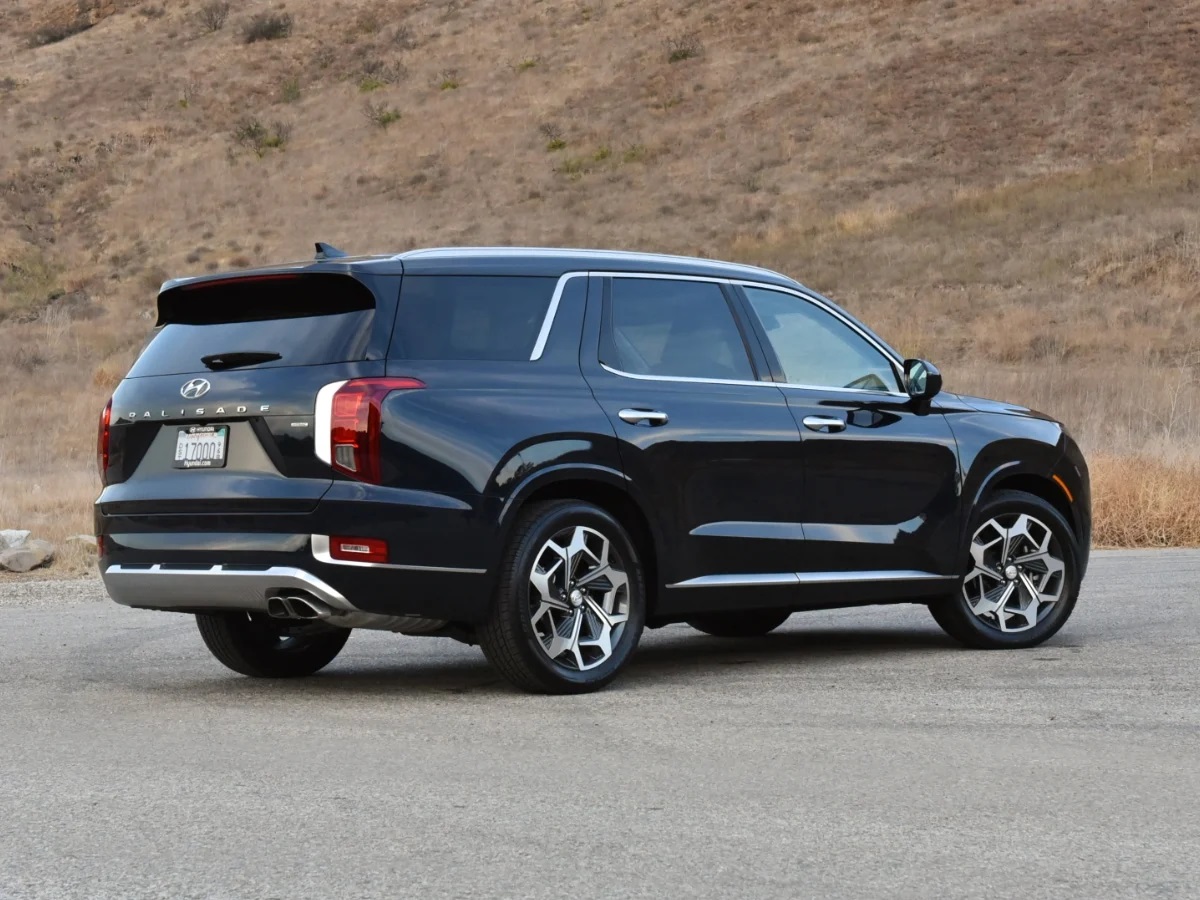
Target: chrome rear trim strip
{"points": [[755, 579], [320, 549], [322, 419]]}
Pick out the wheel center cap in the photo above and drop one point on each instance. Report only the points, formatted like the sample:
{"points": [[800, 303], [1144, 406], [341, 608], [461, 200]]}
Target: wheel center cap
{"points": [[1010, 572], [576, 598]]}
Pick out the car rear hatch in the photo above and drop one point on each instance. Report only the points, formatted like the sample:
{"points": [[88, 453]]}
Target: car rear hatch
{"points": [[218, 413]]}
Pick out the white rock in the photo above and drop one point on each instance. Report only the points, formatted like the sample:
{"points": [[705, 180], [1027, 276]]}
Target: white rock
{"points": [[28, 556], [12, 538]]}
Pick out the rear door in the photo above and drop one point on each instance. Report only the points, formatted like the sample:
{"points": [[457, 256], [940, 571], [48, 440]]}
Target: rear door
{"points": [[881, 472], [217, 413], [712, 449]]}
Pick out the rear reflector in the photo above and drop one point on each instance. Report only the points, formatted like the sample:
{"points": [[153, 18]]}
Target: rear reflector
{"points": [[358, 549], [350, 424]]}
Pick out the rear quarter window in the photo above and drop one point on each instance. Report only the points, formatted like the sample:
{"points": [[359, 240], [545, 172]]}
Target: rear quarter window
{"points": [[464, 317]]}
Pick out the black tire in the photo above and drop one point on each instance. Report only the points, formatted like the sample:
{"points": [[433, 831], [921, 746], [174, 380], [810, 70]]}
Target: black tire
{"points": [[956, 617], [508, 637], [254, 644], [752, 623]]}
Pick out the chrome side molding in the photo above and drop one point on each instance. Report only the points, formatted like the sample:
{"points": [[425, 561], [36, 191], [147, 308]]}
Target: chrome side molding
{"points": [[757, 579]]}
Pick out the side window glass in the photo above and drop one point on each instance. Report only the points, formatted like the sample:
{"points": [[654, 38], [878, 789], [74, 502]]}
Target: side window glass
{"points": [[681, 329], [464, 317], [817, 348]]}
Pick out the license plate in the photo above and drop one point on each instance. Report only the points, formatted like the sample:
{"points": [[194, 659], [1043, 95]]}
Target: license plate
{"points": [[201, 447]]}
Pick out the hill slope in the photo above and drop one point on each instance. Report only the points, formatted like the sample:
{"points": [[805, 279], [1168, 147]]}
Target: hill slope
{"points": [[1008, 188]]}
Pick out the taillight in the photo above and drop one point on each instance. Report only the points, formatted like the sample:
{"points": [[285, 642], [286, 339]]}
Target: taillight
{"points": [[102, 442], [355, 425]]}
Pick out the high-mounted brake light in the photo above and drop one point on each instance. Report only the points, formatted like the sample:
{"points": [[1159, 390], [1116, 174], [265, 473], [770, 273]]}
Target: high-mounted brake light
{"points": [[350, 424], [102, 442]]}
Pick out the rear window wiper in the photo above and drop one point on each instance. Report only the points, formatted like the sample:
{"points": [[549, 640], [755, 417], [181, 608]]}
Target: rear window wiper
{"points": [[219, 361]]}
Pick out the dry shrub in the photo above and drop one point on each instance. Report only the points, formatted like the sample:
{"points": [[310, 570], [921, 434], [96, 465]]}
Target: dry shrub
{"points": [[268, 27], [1144, 502], [212, 15]]}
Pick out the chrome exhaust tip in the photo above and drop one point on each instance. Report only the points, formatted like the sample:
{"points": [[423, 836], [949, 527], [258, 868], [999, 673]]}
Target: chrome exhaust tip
{"points": [[297, 606]]}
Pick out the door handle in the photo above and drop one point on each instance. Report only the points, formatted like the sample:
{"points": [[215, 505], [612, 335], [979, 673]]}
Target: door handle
{"points": [[643, 416], [824, 424]]}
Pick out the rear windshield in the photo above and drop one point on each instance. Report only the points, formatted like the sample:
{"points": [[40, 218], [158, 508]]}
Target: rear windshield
{"points": [[300, 320], [455, 317]]}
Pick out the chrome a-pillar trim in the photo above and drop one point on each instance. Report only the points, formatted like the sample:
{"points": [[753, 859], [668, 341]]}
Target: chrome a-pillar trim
{"points": [[320, 551], [163, 586], [758, 579]]}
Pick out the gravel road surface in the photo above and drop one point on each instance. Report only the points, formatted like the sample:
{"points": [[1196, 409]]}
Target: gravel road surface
{"points": [[851, 754]]}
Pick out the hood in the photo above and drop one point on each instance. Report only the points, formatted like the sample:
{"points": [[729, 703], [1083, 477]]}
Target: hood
{"points": [[981, 404]]}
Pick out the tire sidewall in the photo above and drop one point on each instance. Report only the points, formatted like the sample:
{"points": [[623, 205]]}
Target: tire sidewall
{"points": [[1008, 503], [544, 527]]}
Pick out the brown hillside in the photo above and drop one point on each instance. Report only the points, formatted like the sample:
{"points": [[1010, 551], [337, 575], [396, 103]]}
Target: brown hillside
{"points": [[1009, 188]]}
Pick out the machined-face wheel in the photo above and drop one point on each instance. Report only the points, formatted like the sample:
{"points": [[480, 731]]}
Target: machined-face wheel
{"points": [[1018, 572], [578, 598]]}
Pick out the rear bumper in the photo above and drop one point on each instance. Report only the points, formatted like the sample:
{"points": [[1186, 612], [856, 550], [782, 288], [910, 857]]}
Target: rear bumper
{"points": [[208, 571], [169, 555], [216, 587]]}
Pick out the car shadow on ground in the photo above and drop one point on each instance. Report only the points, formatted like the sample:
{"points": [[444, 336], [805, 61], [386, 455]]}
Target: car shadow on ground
{"points": [[676, 657], [687, 651]]}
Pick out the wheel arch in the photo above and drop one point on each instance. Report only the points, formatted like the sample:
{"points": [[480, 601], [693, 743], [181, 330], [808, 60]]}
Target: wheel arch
{"points": [[604, 487], [1039, 484]]}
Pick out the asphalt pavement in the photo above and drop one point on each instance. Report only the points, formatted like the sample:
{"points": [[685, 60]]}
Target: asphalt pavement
{"points": [[854, 754]]}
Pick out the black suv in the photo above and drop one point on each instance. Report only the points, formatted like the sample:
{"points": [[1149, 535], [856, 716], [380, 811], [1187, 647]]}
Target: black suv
{"points": [[544, 451]]}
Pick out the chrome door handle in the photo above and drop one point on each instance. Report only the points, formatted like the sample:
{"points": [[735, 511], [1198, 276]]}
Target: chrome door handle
{"points": [[643, 416], [826, 424]]}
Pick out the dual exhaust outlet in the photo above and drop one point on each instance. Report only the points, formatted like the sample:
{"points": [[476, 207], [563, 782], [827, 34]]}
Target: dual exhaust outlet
{"points": [[297, 606]]}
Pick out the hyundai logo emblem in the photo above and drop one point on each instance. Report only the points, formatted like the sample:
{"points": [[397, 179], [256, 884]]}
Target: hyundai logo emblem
{"points": [[197, 387]]}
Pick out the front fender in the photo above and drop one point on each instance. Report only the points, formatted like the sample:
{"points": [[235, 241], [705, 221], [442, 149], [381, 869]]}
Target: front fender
{"points": [[994, 447]]}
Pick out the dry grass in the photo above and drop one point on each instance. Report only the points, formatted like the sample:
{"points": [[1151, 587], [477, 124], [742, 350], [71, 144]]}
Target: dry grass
{"points": [[1006, 188], [1145, 502]]}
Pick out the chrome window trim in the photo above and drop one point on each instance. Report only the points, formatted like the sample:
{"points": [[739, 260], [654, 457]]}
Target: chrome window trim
{"points": [[322, 439], [684, 379], [665, 276], [896, 363], [769, 384], [756, 579], [551, 311], [892, 359], [320, 551]]}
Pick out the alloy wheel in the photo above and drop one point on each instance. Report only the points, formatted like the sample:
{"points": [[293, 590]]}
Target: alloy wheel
{"points": [[1017, 573], [578, 598]]}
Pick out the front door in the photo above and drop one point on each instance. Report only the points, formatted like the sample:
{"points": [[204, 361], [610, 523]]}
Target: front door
{"points": [[713, 451], [881, 471]]}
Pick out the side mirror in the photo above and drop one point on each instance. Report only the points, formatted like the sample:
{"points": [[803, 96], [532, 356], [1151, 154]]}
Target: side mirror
{"points": [[922, 380]]}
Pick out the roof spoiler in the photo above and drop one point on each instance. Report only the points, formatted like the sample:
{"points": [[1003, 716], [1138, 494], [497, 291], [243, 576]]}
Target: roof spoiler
{"points": [[328, 251]]}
